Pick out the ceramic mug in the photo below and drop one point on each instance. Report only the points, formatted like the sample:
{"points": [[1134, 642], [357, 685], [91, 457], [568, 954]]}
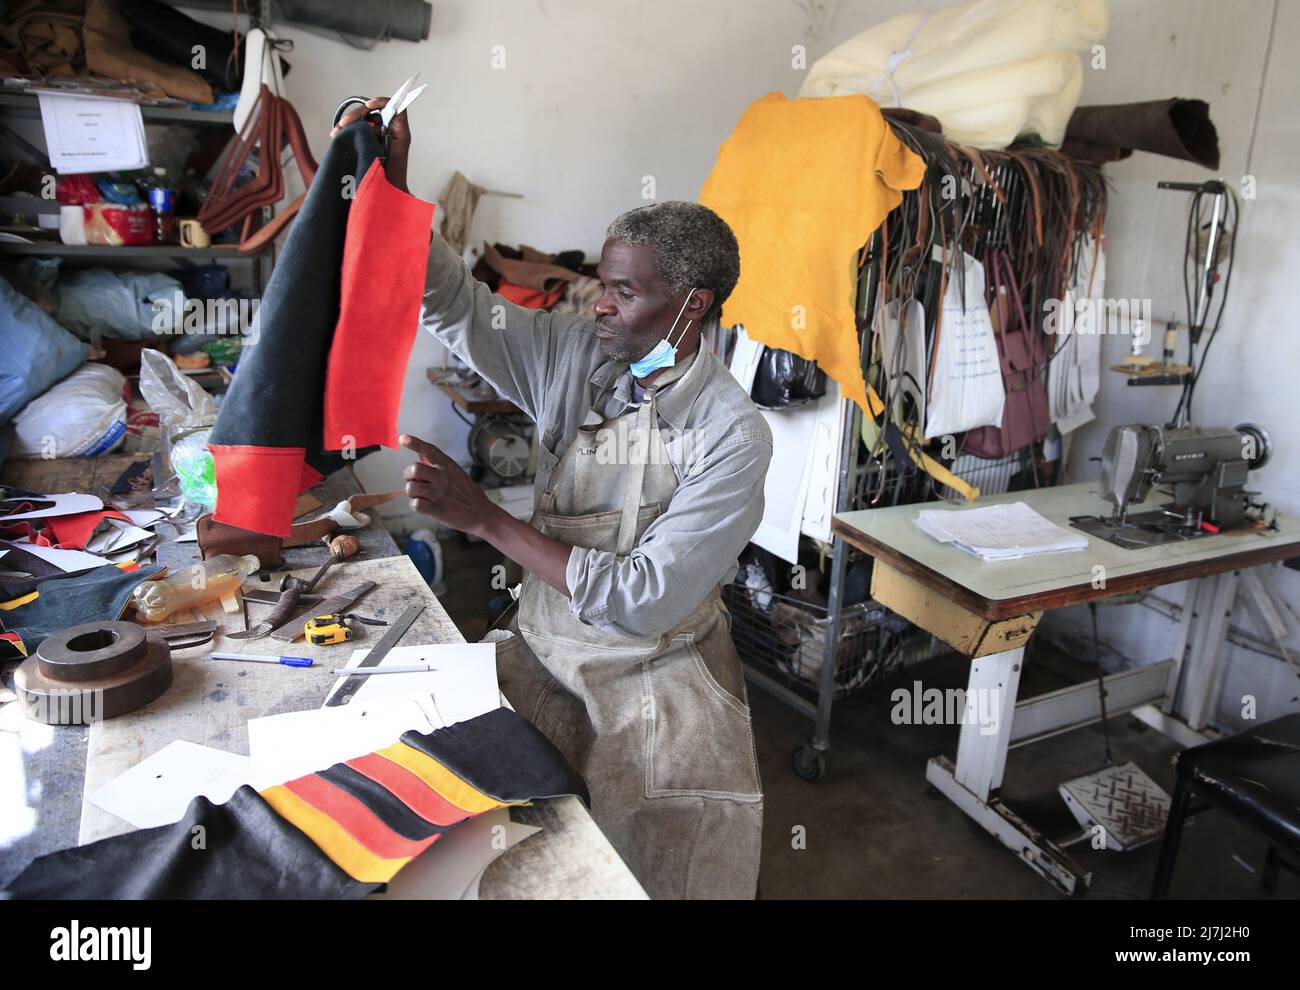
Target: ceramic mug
{"points": [[192, 234]]}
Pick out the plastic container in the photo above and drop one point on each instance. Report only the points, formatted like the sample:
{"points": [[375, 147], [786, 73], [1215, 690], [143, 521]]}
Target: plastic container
{"points": [[204, 582], [162, 201]]}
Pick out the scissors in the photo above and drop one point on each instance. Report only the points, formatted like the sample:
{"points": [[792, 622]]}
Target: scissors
{"points": [[406, 94]]}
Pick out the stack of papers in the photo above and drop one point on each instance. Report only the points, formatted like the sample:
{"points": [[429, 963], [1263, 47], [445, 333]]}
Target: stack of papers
{"points": [[92, 133], [999, 532]]}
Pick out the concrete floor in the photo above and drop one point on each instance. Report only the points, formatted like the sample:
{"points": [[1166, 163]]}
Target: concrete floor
{"points": [[873, 827]]}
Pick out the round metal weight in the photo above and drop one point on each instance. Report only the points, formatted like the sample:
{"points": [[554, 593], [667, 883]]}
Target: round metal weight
{"points": [[91, 672]]}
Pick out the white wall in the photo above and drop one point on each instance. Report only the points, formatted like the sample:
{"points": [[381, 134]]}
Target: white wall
{"points": [[1237, 57], [594, 96]]}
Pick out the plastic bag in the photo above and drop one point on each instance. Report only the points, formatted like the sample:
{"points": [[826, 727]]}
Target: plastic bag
{"points": [[178, 401], [967, 391], [128, 305], [107, 223], [186, 414], [35, 352], [82, 416]]}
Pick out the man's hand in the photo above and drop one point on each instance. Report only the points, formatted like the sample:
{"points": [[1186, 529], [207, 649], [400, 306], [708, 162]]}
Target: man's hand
{"points": [[440, 488], [399, 139]]}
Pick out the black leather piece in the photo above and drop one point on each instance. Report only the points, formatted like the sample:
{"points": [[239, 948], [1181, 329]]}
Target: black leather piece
{"points": [[1175, 127], [1254, 775], [241, 849], [504, 756], [276, 397], [785, 380], [385, 806]]}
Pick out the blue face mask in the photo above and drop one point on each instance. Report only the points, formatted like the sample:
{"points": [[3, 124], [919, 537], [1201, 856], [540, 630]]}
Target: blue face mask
{"points": [[663, 354]]}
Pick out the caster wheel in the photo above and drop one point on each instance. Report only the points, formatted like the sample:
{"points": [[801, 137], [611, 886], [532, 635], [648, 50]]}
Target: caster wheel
{"points": [[809, 764]]}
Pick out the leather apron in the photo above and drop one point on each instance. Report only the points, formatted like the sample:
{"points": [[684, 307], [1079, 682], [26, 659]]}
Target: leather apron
{"points": [[659, 727]]}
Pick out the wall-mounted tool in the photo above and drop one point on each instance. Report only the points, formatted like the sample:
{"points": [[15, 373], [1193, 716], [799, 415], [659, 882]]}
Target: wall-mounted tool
{"points": [[1208, 251], [1206, 469]]}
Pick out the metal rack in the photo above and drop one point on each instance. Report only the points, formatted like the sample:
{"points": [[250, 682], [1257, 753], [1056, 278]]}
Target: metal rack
{"points": [[809, 655], [822, 627]]}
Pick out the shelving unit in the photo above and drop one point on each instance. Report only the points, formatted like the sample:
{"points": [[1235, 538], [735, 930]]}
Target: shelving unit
{"points": [[110, 253], [27, 105]]}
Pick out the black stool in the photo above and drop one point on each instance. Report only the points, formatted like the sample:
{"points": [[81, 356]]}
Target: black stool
{"points": [[1254, 776]]}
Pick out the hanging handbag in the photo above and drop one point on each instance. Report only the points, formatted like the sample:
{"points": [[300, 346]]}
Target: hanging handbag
{"points": [[1022, 352], [785, 380]]}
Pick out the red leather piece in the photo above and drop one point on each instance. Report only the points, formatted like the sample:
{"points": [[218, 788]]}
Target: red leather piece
{"points": [[257, 486], [72, 531], [384, 259], [356, 819], [409, 789]]}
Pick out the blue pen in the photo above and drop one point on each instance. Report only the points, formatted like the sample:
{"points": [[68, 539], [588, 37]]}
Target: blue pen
{"points": [[264, 658]]}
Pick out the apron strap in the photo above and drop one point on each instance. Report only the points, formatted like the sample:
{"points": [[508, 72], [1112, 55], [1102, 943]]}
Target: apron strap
{"points": [[638, 453], [647, 420]]}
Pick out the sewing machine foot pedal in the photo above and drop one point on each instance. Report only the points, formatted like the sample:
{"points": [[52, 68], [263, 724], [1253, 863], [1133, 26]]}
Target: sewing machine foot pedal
{"points": [[1128, 806]]}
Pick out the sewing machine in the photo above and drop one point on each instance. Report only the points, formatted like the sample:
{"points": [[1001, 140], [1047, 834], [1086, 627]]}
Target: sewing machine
{"points": [[1206, 469]]}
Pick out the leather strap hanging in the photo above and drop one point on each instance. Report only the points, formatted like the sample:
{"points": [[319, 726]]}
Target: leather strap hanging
{"points": [[272, 124]]}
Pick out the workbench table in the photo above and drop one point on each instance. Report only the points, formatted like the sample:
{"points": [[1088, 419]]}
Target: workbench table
{"points": [[987, 610], [209, 703]]}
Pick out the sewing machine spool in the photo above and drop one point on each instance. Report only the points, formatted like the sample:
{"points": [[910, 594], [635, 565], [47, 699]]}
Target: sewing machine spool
{"points": [[93, 671]]}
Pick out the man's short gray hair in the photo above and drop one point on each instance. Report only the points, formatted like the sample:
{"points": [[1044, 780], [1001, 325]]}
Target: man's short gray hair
{"points": [[694, 247]]}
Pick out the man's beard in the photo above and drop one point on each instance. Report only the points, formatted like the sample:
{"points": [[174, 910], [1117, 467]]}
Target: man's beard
{"points": [[623, 349]]}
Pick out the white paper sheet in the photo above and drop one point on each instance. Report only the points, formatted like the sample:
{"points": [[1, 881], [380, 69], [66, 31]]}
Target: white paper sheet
{"points": [[824, 464], [785, 489], [464, 685], [157, 790], [1000, 532], [144, 517], [55, 505], [515, 834], [451, 868], [283, 747], [112, 536], [744, 359], [92, 133]]}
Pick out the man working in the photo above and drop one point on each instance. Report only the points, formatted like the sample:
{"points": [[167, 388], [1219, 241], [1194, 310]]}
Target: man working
{"points": [[650, 481]]}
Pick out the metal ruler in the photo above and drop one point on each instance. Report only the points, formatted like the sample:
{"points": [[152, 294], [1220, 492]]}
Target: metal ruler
{"points": [[351, 685]]}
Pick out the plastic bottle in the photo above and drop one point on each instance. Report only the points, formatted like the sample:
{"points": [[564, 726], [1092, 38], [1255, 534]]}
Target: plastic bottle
{"points": [[204, 582], [162, 201]]}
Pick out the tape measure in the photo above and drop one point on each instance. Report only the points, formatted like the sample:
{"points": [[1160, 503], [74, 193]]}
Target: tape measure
{"points": [[325, 630]]}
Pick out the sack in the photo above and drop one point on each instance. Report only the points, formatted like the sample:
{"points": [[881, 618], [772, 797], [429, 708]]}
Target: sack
{"points": [[1023, 355], [785, 380], [966, 391], [82, 416], [126, 305], [35, 351]]}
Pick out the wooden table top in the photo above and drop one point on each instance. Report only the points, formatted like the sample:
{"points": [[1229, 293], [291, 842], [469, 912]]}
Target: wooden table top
{"points": [[1001, 589]]}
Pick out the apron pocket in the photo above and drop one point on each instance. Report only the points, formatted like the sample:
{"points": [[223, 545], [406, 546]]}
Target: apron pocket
{"points": [[698, 737]]}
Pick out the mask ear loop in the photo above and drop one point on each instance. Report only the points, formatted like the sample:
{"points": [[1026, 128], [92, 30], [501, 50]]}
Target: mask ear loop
{"points": [[686, 328]]}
